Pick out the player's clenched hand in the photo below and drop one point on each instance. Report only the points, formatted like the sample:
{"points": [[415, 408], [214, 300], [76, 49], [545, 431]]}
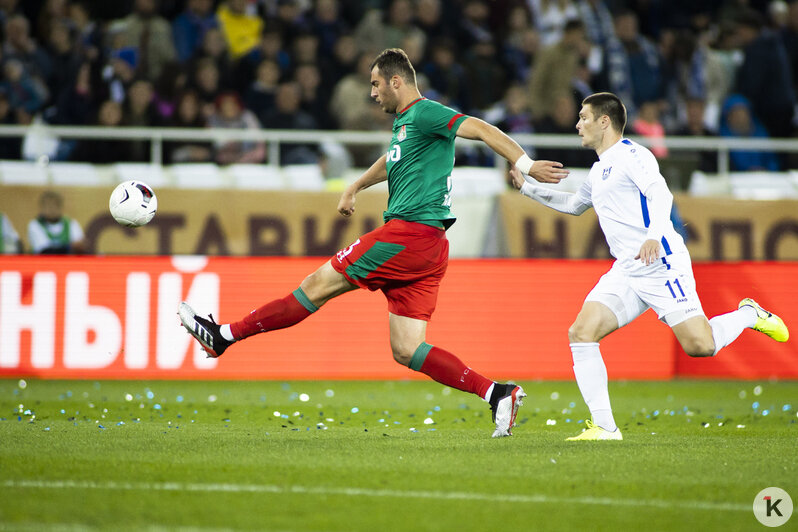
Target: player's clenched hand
{"points": [[548, 171], [649, 252], [346, 205], [517, 177]]}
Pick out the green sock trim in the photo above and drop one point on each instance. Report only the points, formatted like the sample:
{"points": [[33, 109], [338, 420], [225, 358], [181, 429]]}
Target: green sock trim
{"points": [[420, 356], [300, 296]]}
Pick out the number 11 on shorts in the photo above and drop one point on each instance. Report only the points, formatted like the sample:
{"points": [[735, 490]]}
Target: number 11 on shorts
{"points": [[676, 282]]}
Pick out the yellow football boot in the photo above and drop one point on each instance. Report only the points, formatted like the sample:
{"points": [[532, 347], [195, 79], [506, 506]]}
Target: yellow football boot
{"points": [[767, 322], [595, 433]]}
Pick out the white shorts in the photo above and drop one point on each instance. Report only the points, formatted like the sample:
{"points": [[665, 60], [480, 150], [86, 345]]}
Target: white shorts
{"points": [[668, 288]]}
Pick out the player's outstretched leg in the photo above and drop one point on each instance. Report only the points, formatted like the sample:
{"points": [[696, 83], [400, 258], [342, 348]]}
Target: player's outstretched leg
{"points": [[444, 367], [277, 314], [749, 315]]}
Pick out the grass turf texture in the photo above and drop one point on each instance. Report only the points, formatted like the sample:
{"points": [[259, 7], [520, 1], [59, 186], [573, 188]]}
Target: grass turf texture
{"points": [[359, 456]]}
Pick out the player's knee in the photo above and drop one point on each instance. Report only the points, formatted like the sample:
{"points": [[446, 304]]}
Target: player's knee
{"points": [[699, 347], [402, 356], [580, 332]]}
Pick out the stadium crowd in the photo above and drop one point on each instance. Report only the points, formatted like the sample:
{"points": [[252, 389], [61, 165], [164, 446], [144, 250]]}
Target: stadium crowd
{"points": [[715, 67]]}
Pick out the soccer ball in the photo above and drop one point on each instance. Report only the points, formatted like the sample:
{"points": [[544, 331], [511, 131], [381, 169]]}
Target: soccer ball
{"points": [[133, 203]]}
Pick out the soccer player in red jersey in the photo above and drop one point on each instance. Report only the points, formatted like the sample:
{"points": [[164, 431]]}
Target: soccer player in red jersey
{"points": [[407, 257]]}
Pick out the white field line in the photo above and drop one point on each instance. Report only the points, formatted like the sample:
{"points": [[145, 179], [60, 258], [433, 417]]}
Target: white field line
{"points": [[368, 492]]}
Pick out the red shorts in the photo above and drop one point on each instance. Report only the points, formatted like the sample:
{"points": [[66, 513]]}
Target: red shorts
{"points": [[406, 260]]}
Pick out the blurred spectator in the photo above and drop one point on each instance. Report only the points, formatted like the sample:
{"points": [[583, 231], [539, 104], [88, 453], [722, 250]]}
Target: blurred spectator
{"points": [[351, 105], [387, 30], [187, 115], [737, 120], [206, 83], [344, 59], [789, 36], [429, 19], [485, 76], [287, 114], [519, 45], [561, 119], [66, 61], [446, 76], [75, 104], [633, 64], [11, 147], [648, 124], [189, 28], [684, 72], [52, 233], [88, 32], [270, 47], [721, 61], [290, 18], [20, 89], [314, 100], [597, 20], [513, 114], [327, 25], [550, 18], [53, 13], [19, 46], [104, 151], [695, 127], [259, 97], [9, 238], [214, 47], [765, 77], [230, 113], [474, 24], [151, 35], [555, 68], [241, 29], [139, 111], [119, 73]]}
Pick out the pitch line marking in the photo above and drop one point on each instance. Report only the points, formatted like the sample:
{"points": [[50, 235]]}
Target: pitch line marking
{"points": [[366, 492]]}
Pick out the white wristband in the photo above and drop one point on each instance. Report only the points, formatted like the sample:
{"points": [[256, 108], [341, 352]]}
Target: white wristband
{"points": [[524, 163]]}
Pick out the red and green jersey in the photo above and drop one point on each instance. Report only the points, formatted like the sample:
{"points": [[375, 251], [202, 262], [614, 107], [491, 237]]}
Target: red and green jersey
{"points": [[420, 162]]}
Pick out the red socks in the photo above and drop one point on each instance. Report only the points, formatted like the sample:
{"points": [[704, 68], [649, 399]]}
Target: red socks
{"points": [[278, 314], [447, 369]]}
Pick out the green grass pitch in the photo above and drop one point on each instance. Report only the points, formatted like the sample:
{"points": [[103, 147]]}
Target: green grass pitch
{"points": [[383, 456]]}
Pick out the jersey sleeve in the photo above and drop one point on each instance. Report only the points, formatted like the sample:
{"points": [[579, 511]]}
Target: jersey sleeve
{"points": [[439, 120], [643, 168]]}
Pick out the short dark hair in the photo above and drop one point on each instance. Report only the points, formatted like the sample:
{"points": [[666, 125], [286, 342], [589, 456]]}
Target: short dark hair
{"points": [[606, 103], [394, 62]]}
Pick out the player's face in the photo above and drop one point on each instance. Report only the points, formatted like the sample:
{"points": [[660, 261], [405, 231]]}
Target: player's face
{"points": [[383, 93], [588, 127]]}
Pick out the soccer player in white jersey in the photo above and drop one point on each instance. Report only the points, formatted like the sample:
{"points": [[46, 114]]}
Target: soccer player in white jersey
{"points": [[652, 267]]}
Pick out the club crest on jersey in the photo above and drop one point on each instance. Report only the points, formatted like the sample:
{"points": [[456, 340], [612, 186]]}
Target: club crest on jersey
{"points": [[402, 135], [606, 173]]}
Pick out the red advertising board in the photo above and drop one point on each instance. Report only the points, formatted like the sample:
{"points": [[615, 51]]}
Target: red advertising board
{"points": [[115, 317]]}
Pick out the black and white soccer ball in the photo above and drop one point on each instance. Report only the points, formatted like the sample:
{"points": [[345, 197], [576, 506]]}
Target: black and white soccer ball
{"points": [[133, 203]]}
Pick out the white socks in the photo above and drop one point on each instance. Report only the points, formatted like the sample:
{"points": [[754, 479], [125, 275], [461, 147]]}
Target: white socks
{"points": [[727, 327], [226, 332], [591, 376]]}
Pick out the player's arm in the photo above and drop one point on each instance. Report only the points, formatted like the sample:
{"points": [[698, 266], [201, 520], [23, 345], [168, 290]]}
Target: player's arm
{"points": [[377, 173], [660, 203], [565, 202], [543, 171]]}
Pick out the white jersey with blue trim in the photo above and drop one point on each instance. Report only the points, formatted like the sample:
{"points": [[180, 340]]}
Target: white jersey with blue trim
{"points": [[616, 187]]}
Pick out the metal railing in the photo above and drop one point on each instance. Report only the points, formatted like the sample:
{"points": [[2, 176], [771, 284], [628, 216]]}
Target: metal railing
{"points": [[275, 137]]}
